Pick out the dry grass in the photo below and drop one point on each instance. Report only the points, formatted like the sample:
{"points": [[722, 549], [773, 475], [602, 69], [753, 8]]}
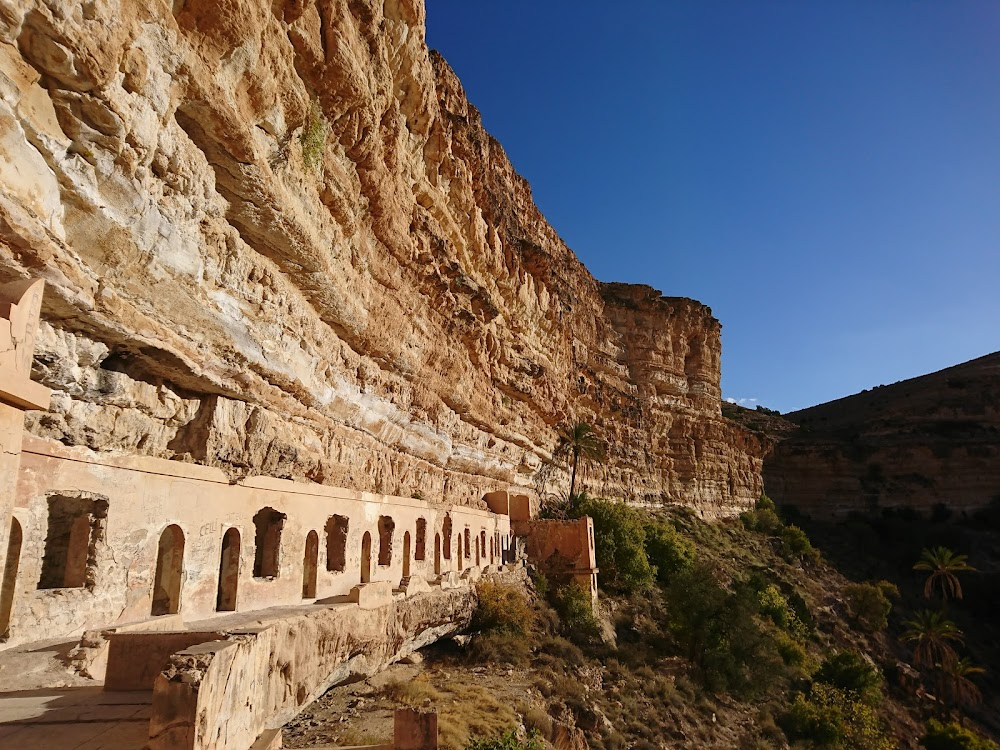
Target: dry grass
{"points": [[473, 711], [536, 718], [416, 692], [351, 738], [464, 710]]}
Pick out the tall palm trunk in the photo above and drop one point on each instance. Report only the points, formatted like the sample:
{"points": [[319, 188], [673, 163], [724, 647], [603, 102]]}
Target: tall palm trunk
{"points": [[572, 479]]}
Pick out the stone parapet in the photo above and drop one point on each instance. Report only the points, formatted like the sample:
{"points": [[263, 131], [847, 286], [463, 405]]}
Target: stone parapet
{"points": [[223, 694], [372, 595]]}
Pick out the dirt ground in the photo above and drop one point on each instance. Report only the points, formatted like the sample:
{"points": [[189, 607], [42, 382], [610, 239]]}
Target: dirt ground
{"points": [[471, 702]]}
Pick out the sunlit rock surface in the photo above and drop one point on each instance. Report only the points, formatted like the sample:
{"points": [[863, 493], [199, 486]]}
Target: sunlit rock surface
{"points": [[396, 317]]}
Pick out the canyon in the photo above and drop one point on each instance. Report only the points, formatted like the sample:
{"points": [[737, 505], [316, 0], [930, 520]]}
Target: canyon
{"points": [[286, 350], [277, 240], [929, 444]]}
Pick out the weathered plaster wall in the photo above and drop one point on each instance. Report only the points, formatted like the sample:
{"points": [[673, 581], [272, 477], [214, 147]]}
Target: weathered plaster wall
{"points": [[563, 550], [397, 318], [146, 495]]}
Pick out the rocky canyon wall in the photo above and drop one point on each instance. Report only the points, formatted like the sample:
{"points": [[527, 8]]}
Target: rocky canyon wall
{"points": [[277, 240], [919, 443]]}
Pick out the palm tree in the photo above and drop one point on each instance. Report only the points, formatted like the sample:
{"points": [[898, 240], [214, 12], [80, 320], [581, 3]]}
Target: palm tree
{"points": [[943, 564], [955, 685], [575, 442], [932, 635]]}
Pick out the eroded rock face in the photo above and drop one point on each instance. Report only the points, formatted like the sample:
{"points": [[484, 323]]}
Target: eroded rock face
{"points": [[914, 444], [278, 240]]}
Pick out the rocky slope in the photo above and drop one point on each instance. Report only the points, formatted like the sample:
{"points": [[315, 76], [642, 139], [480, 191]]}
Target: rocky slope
{"points": [[915, 444], [277, 239]]}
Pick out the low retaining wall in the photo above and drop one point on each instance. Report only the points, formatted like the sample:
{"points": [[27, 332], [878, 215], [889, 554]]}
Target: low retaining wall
{"points": [[136, 659], [224, 694]]}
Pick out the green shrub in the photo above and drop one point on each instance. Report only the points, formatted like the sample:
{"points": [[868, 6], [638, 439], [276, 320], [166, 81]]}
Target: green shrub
{"points": [[694, 600], [718, 632], [667, 550], [851, 673], [868, 606], [620, 542], [889, 589], [576, 611], [795, 544], [502, 608], [952, 736], [832, 718], [773, 605], [763, 518], [541, 582], [313, 136], [791, 651]]}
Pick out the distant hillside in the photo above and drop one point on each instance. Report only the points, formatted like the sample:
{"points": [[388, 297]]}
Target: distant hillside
{"points": [[918, 443]]}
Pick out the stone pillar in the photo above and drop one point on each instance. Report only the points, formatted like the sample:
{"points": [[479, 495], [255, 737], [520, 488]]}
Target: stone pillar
{"points": [[20, 304], [415, 730]]}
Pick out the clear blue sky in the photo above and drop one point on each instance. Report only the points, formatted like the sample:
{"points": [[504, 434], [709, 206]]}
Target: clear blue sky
{"points": [[824, 175]]}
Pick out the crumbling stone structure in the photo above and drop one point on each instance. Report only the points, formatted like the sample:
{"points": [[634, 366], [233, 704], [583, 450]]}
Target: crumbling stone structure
{"points": [[148, 561], [106, 539], [563, 550]]}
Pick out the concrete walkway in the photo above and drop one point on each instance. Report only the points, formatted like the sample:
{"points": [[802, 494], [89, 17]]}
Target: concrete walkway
{"points": [[81, 718], [46, 706]]}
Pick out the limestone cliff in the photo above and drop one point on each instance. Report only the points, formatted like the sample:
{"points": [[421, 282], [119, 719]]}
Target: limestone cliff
{"points": [[278, 240], [916, 444]]}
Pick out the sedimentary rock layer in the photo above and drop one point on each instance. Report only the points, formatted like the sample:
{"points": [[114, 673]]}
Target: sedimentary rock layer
{"points": [[278, 240], [914, 444]]}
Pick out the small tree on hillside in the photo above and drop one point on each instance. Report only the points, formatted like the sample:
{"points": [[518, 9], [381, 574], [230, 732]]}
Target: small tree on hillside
{"points": [[620, 539], [575, 442]]}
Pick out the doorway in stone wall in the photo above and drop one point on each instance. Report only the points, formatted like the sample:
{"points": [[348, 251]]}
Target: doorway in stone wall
{"points": [[169, 572], [446, 530], [76, 526], [229, 572], [9, 577], [437, 554], [406, 555], [310, 565], [366, 557], [459, 551]]}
